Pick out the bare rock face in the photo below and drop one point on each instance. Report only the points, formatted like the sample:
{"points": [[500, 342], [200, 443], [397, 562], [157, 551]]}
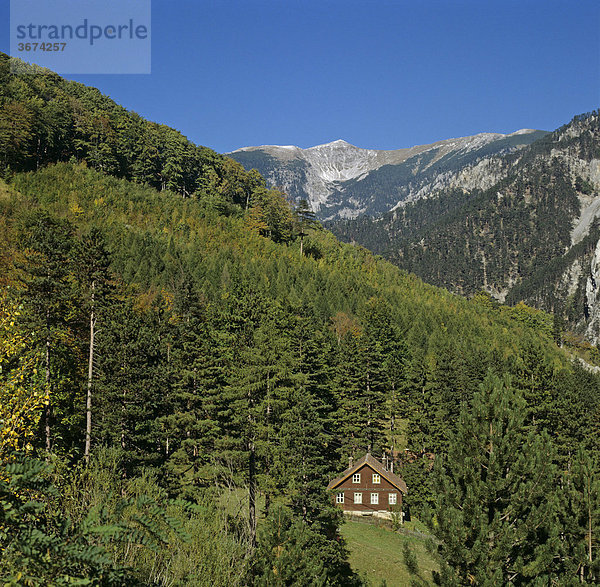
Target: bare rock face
{"points": [[592, 299], [340, 180]]}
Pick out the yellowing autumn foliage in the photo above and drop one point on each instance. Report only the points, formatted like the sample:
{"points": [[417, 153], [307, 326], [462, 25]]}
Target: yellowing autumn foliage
{"points": [[22, 389]]}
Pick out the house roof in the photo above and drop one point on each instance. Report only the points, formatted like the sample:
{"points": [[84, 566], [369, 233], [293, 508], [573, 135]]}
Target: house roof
{"points": [[377, 467]]}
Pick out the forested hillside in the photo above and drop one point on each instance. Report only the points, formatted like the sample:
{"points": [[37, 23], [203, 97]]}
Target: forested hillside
{"points": [[529, 237], [167, 349]]}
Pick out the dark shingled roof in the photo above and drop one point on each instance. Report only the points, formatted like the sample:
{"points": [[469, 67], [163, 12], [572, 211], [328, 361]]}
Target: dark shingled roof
{"points": [[377, 467]]}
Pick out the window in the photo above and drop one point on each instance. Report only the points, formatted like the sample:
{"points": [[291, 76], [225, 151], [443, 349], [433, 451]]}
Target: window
{"points": [[356, 478], [392, 498], [376, 478], [375, 498], [339, 498], [358, 498]]}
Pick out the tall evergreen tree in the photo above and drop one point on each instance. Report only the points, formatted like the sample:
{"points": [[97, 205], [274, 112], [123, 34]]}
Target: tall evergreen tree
{"points": [[47, 274], [200, 363], [132, 386], [256, 395], [581, 521], [304, 218], [496, 512], [360, 385]]}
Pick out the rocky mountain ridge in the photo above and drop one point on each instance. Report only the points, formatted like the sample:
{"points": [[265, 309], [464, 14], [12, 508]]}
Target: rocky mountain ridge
{"points": [[340, 180]]}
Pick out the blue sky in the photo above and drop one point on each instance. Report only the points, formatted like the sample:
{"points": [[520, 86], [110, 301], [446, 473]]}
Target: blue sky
{"points": [[378, 73]]}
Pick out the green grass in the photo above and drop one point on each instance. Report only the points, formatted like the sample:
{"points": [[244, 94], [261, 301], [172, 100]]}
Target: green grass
{"points": [[376, 554]]}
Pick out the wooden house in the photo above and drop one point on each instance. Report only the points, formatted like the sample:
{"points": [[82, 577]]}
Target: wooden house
{"points": [[367, 487]]}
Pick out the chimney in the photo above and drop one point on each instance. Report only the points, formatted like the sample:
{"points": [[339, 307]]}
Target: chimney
{"points": [[350, 461]]}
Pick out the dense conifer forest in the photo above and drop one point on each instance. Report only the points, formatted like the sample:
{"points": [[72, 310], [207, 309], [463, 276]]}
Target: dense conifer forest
{"points": [[186, 360]]}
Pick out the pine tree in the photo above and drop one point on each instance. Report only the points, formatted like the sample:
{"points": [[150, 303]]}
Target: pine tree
{"points": [[47, 275], [496, 512], [132, 385], [291, 553], [256, 395], [394, 359], [360, 385], [581, 520], [305, 218], [200, 364]]}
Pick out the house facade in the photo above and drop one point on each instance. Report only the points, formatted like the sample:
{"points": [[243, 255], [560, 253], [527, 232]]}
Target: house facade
{"points": [[368, 488]]}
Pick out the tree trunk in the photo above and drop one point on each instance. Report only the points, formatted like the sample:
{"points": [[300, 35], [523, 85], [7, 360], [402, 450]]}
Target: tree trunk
{"points": [[589, 492], [47, 407], [88, 404], [252, 493], [123, 409], [369, 408]]}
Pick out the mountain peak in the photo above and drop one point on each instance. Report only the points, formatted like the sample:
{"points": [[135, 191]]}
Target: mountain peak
{"points": [[336, 143]]}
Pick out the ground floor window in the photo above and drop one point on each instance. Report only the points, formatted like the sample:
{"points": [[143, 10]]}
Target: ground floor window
{"points": [[392, 497], [358, 498], [374, 498], [339, 498]]}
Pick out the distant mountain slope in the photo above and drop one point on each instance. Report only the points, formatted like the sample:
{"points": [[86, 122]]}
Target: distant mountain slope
{"points": [[533, 235], [343, 181]]}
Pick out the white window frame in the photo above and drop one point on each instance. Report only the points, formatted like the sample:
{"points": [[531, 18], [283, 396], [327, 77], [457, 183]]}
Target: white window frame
{"points": [[356, 478], [392, 498], [358, 498], [376, 478], [339, 498], [374, 498]]}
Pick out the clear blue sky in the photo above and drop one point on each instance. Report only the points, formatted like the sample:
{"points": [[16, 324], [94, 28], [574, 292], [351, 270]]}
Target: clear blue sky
{"points": [[378, 73]]}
